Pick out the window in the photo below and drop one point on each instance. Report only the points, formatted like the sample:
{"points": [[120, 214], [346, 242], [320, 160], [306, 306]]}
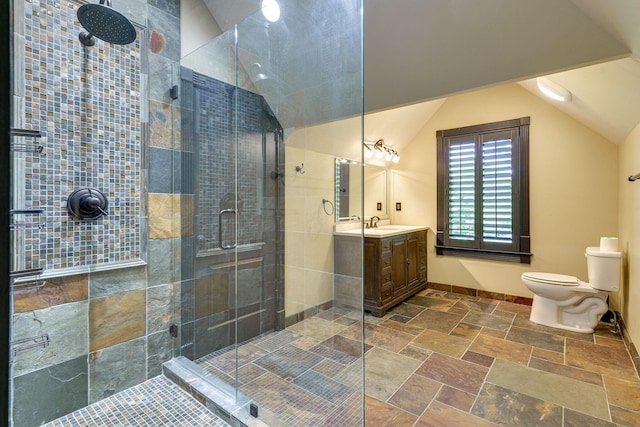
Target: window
{"points": [[483, 191]]}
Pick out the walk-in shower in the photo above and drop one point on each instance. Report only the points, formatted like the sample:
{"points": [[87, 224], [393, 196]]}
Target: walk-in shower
{"points": [[172, 226]]}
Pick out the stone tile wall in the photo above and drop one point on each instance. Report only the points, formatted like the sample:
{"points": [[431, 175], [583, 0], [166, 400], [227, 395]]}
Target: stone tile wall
{"points": [[108, 330]]}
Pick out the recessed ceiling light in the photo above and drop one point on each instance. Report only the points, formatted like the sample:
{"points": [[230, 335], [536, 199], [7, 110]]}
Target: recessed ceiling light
{"points": [[271, 10], [552, 90]]}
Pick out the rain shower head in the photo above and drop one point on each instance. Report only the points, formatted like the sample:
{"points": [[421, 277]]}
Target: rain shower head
{"points": [[105, 23]]}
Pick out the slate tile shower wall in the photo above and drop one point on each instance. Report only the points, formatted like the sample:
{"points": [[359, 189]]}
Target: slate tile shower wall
{"points": [[113, 285]]}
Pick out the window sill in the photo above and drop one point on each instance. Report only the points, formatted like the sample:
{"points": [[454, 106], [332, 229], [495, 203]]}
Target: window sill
{"points": [[519, 257]]}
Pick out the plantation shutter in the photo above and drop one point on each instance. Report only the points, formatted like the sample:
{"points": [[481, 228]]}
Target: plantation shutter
{"points": [[483, 191], [497, 188], [462, 190]]}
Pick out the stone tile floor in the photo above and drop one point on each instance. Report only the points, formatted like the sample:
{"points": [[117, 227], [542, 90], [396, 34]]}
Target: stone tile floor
{"points": [[156, 402], [438, 359]]}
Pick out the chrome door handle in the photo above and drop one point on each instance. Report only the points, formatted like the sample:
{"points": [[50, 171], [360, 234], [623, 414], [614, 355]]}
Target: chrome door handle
{"points": [[220, 215]]}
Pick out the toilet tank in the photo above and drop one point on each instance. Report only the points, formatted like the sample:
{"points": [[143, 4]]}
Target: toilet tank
{"points": [[603, 269]]}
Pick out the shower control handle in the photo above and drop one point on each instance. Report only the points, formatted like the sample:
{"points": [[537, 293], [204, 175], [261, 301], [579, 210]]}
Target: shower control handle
{"points": [[222, 213], [87, 204]]}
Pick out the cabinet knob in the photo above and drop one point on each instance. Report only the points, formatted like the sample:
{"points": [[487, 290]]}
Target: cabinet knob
{"points": [[408, 261]]}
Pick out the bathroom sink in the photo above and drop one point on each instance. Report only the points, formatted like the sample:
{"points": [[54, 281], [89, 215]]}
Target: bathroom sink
{"points": [[381, 231]]}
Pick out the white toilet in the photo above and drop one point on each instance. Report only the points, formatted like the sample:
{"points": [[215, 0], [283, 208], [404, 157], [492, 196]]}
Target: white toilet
{"points": [[567, 303]]}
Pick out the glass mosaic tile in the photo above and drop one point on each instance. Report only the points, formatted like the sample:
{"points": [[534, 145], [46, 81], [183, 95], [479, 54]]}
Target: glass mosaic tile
{"points": [[156, 402], [86, 101]]}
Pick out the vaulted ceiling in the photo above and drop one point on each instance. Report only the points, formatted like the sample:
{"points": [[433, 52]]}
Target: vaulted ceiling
{"points": [[417, 51]]}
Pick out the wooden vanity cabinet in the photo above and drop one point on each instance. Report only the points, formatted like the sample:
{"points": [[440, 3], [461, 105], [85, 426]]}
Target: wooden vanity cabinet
{"points": [[395, 268]]}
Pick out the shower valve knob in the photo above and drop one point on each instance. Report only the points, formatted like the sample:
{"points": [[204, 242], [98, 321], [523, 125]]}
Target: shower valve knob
{"points": [[87, 203]]}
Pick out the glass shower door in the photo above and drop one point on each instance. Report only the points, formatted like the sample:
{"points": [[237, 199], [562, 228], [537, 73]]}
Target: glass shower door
{"points": [[266, 109]]}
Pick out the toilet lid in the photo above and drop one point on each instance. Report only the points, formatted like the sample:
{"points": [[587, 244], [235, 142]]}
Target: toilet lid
{"points": [[551, 278]]}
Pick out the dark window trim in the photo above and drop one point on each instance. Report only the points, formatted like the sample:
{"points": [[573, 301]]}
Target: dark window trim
{"points": [[522, 254]]}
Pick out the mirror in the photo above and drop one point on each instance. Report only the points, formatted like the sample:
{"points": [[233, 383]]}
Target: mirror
{"points": [[348, 194]]}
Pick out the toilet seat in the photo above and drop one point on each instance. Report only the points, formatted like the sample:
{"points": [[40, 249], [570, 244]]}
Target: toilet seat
{"points": [[552, 278]]}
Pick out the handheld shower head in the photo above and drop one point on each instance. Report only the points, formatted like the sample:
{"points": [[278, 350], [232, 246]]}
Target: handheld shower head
{"points": [[105, 23]]}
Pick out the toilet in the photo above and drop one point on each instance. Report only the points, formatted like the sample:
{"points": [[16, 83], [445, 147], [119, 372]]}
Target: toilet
{"points": [[565, 302]]}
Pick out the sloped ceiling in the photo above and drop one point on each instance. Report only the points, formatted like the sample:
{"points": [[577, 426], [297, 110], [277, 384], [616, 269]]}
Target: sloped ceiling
{"points": [[423, 50]]}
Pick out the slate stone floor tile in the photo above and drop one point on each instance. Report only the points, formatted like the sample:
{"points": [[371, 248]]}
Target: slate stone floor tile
{"points": [[475, 305], [436, 320], [379, 413], [407, 310], [442, 343], [622, 393], [438, 304], [465, 330], [386, 371], [438, 359], [454, 372], [506, 407], [604, 359], [578, 395], [378, 336], [291, 403], [401, 327], [501, 349], [576, 419], [567, 371], [415, 394], [478, 358], [488, 320], [458, 399], [624, 417], [441, 415], [551, 356], [536, 339]]}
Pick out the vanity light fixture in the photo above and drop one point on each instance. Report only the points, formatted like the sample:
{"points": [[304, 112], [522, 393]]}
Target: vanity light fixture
{"points": [[381, 151], [368, 153], [552, 90]]}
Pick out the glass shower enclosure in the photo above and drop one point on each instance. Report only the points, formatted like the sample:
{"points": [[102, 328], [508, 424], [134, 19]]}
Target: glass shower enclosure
{"points": [[211, 247], [263, 316]]}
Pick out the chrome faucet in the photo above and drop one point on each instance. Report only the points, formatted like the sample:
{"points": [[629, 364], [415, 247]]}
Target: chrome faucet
{"points": [[374, 224]]}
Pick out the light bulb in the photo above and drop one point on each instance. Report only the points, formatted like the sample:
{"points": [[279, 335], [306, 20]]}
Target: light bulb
{"points": [[388, 156], [379, 154], [271, 10], [396, 158]]}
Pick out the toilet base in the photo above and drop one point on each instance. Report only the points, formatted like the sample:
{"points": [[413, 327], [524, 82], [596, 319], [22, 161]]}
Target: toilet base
{"points": [[580, 316]]}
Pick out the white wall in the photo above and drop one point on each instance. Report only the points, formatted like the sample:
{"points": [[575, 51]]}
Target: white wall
{"points": [[573, 186], [308, 229], [629, 296]]}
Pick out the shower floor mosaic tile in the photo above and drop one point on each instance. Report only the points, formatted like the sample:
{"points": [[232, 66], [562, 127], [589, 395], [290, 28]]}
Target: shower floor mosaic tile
{"points": [[156, 402], [438, 359]]}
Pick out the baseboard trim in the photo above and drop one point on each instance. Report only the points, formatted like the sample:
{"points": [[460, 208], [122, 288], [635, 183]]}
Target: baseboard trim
{"points": [[480, 293]]}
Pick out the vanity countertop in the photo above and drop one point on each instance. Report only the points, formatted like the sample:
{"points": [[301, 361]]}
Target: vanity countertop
{"points": [[379, 232]]}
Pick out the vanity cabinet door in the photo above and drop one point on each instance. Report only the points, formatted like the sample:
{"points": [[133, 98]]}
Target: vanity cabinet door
{"points": [[412, 259], [398, 265]]}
